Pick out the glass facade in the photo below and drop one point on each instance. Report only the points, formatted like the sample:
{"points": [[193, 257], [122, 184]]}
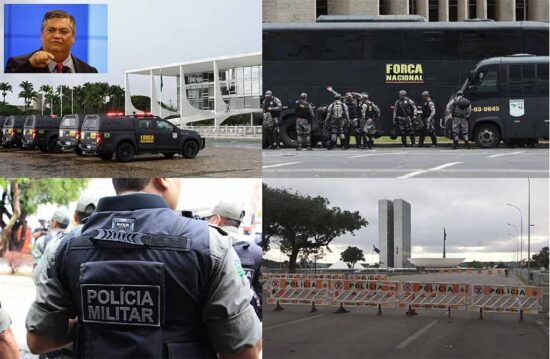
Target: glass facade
{"points": [[240, 88]]}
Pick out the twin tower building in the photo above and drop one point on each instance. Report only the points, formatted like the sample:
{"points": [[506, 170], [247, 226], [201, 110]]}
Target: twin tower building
{"points": [[394, 233]]}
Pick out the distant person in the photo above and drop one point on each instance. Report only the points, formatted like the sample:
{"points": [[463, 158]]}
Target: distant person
{"points": [[370, 113], [459, 110], [428, 116], [58, 225], [8, 345], [404, 112], [272, 108], [304, 117], [57, 37], [337, 115]]}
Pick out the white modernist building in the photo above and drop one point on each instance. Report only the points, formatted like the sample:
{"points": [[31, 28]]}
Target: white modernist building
{"points": [[215, 88]]}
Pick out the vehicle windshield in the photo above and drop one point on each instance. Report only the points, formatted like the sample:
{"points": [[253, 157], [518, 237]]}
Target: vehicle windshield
{"points": [[91, 123], [68, 122], [9, 122]]}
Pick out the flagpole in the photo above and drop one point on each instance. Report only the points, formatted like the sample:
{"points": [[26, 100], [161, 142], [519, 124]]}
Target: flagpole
{"points": [[161, 86], [61, 107]]}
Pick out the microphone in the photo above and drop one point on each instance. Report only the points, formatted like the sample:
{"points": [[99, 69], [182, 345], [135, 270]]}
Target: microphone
{"points": [[66, 70]]}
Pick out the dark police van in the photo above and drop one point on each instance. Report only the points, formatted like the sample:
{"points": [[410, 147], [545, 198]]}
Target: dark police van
{"points": [[12, 132], [126, 136], [42, 132], [69, 133], [382, 58], [509, 97]]}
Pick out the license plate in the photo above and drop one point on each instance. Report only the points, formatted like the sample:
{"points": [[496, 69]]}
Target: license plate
{"points": [[72, 133], [93, 135], [67, 143], [29, 132]]}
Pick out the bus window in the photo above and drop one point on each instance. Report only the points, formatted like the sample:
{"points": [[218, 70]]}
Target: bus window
{"points": [[485, 83], [542, 79], [478, 44], [430, 45], [535, 42], [514, 80], [528, 79]]}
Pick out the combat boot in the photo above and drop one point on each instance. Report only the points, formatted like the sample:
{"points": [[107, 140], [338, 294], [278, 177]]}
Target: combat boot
{"points": [[403, 141], [467, 144], [455, 145]]}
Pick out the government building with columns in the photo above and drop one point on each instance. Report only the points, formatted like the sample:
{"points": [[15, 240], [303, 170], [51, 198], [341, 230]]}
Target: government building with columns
{"points": [[303, 11]]}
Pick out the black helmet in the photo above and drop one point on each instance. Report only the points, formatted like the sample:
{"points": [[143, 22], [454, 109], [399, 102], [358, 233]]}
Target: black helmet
{"points": [[463, 103]]}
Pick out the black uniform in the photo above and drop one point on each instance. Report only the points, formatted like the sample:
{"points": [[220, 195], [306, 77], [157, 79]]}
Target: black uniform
{"points": [[428, 128], [272, 108], [304, 116], [403, 114], [351, 126]]}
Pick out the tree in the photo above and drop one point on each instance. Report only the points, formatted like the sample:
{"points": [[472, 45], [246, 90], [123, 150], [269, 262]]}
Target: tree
{"points": [[21, 198], [5, 87], [301, 222], [116, 94], [27, 93], [541, 258], [47, 90], [352, 255], [142, 103]]}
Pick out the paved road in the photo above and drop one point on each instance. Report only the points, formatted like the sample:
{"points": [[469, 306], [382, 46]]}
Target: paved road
{"points": [[407, 162], [295, 333], [220, 158]]}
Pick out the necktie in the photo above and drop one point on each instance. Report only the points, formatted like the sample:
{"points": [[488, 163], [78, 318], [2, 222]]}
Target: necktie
{"points": [[59, 68]]}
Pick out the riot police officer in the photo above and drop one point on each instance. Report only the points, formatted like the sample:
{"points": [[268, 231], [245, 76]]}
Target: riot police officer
{"points": [[304, 116], [403, 113], [351, 126], [143, 281], [228, 216], [272, 108], [370, 113], [459, 109], [337, 115], [428, 115]]}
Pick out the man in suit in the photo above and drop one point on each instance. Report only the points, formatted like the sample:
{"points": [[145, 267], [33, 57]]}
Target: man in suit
{"points": [[57, 37]]}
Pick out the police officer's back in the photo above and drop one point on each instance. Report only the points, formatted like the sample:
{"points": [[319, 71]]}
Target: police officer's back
{"points": [[145, 282], [228, 216]]}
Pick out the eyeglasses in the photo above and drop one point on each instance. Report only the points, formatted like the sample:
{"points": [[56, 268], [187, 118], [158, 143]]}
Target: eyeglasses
{"points": [[63, 31]]}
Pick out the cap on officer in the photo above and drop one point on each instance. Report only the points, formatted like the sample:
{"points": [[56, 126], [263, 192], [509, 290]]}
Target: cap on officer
{"points": [[402, 93], [227, 210], [85, 201], [61, 216], [348, 95], [303, 95], [268, 93], [425, 94]]}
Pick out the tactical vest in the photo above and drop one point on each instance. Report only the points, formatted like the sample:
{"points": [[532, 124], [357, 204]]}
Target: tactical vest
{"points": [[337, 109], [369, 113], [404, 108], [139, 280], [302, 109], [352, 109], [426, 110], [273, 104], [459, 112]]}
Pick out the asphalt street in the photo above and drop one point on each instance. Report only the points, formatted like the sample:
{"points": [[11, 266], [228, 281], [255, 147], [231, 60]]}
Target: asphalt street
{"points": [[407, 162], [360, 333], [220, 158]]}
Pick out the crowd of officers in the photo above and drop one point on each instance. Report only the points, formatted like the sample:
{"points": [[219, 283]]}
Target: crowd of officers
{"points": [[118, 251], [356, 115]]}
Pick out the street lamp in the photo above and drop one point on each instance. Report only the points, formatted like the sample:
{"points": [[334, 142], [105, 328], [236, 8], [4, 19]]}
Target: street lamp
{"points": [[521, 230], [517, 236]]}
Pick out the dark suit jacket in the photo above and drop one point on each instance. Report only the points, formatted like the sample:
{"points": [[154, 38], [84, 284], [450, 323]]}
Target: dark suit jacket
{"points": [[21, 64]]}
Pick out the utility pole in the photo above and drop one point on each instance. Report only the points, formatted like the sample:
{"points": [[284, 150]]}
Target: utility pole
{"points": [[528, 230], [520, 231], [444, 240]]}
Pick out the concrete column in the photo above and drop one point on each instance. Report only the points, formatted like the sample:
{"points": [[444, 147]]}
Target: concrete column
{"points": [[462, 10], [399, 7], [443, 10], [289, 10], [506, 10], [481, 9], [538, 10], [353, 7], [423, 9]]}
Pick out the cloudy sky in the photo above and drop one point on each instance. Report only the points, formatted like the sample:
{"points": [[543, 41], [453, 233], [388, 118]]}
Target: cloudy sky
{"points": [[145, 33], [473, 211]]}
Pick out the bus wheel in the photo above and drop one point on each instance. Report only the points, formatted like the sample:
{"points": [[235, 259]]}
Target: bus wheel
{"points": [[288, 132], [487, 135], [510, 143]]}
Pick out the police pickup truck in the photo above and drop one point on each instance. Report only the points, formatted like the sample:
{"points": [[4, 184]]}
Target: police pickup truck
{"points": [[41, 132], [69, 133], [12, 132], [126, 136]]}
